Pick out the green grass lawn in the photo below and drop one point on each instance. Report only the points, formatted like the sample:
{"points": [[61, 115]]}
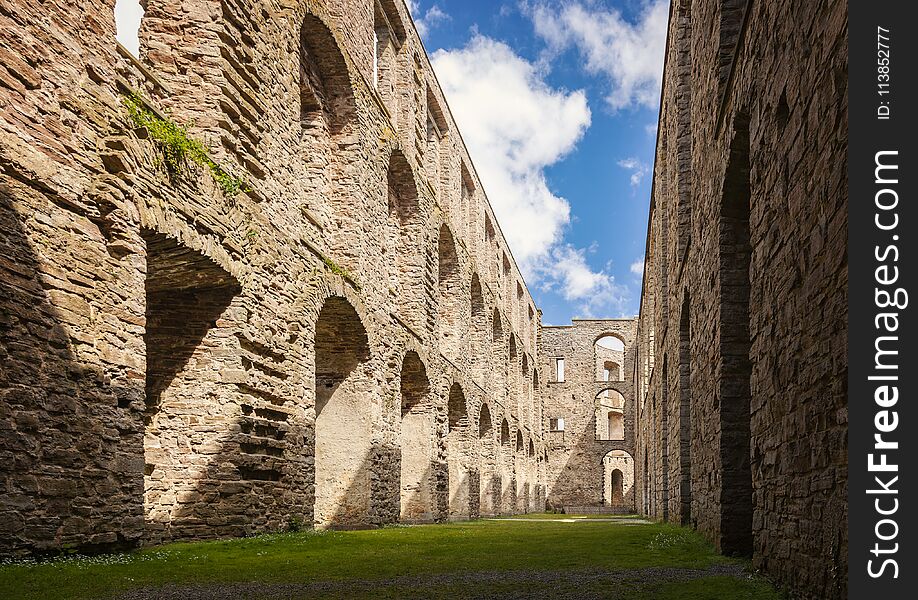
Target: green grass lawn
{"points": [[419, 561]]}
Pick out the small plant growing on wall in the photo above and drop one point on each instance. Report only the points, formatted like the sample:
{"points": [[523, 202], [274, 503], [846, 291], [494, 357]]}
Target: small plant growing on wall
{"points": [[178, 148]]}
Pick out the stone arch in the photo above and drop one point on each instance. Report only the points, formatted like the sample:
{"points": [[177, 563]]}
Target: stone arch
{"points": [[326, 96], [735, 344], [417, 441], [490, 480], [505, 433], [457, 449], [513, 373], [189, 305], [608, 347], [610, 415], [450, 300], [479, 331], [344, 416], [498, 355], [519, 440], [618, 480], [403, 253]]}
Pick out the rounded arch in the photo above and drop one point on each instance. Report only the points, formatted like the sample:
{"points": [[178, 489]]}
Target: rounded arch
{"points": [[344, 416], [519, 440], [618, 480], [479, 331], [416, 439], [610, 339], [450, 299], [458, 415], [403, 254], [497, 327], [484, 421], [456, 445], [505, 432], [610, 415], [531, 448], [608, 349], [326, 94]]}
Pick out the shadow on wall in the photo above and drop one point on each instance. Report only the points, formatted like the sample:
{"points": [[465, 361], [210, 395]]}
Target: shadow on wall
{"points": [[59, 412], [580, 482]]}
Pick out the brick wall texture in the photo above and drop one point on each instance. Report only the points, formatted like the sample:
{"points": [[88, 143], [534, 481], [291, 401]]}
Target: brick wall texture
{"points": [[179, 362], [347, 341], [741, 372]]}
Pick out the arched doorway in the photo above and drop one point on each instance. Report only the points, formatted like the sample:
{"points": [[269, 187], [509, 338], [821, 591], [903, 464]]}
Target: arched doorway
{"points": [[618, 480], [344, 417], [456, 443], [417, 442]]}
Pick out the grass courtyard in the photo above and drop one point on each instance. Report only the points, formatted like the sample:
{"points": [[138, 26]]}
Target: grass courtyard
{"points": [[536, 556]]}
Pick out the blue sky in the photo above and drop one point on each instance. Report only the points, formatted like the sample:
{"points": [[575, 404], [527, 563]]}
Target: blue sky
{"points": [[557, 102]]}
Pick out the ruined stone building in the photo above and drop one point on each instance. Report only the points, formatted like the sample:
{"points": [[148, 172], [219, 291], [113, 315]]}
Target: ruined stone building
{"points": [[250, 280], [318, 323], [588, 405], [741, 353]]}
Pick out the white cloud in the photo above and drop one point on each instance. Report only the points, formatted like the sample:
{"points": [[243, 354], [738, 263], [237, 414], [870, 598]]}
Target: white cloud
{"points": [[425, 21], [629, 54], [515, 125], [637, 267], [595, 294], [128, 14], [637, 167]]}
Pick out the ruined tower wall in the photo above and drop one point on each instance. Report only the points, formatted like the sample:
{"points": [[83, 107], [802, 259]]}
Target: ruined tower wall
{"points": [[165, 342], [575, 467], [743, 315]]}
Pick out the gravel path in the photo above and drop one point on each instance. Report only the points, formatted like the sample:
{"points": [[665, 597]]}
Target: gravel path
{"points": [[567, 584]]}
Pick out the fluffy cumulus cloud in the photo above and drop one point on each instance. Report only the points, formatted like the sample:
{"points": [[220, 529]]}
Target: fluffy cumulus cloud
{"points": [[594, 294], [639, 169], [515, 125], [424, 21], [629, 54]]}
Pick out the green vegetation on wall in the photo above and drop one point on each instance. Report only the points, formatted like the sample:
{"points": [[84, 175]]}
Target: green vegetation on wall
{"points": [[178, 147]]}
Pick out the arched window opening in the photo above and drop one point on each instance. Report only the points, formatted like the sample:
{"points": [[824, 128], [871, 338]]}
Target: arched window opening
{"points": [[610, 416], [505, 433], [450, 316], [608, 350], [735, 344], [490, 485], [479, 326], [437, 128], [343, 430], [403, 253], [388, 37], [618, 480], [326, 97]]}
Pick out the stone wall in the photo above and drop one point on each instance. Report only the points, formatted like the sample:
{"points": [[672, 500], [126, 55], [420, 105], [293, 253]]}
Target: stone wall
{"points": [[578, 456], [178, 361], [741, 362]]}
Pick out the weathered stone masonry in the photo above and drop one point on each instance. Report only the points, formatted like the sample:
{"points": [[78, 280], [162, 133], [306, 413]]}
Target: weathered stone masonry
{"points": [[596, 403], [742, 342], [346, 342]]}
